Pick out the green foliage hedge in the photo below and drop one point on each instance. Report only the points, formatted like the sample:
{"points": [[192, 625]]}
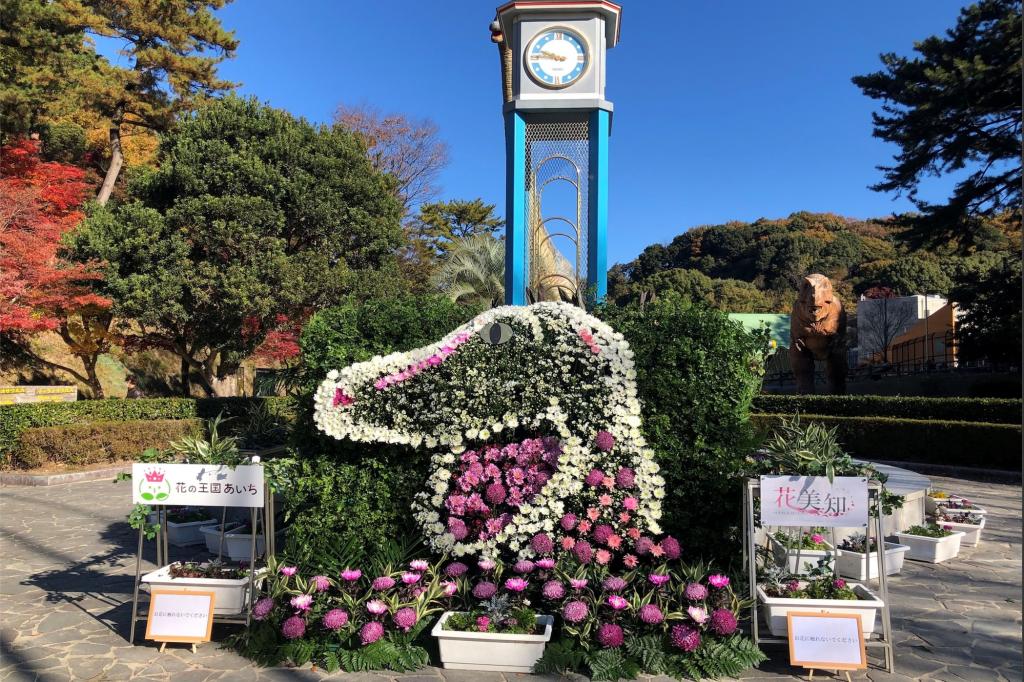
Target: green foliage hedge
{"points": [[77, 444], [14, 419], [954, 443], [990, 410]]}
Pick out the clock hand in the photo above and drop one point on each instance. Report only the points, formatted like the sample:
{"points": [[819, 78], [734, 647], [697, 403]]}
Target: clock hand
{"points": [[552, 55]]}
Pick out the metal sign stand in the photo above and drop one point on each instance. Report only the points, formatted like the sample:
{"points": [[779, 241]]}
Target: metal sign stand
{"points": [[264, 522], [752, 492]]}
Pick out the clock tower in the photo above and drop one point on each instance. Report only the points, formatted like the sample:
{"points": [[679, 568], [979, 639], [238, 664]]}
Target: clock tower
{"points": [[557, 124]]}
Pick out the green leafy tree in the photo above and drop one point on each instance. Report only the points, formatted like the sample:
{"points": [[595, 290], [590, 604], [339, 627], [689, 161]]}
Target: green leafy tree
{"points": [[907, 275], [474, 271], [172, 49], [955, 108], [252, 215], [990, 297], [441, 223]]}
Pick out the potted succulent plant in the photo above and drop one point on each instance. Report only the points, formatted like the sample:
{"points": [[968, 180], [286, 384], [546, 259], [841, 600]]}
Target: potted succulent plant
{"points": [[800, 554], [969, 522], [822, 591], [230, 584], [503, 635], [931, 543], [854, 561]]}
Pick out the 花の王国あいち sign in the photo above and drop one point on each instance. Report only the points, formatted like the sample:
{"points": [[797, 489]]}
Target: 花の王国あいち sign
{"points": [[198, 485], [814, 501]]}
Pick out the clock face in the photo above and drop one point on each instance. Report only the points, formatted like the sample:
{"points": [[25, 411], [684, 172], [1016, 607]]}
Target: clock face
{"points": [[556, 57]]}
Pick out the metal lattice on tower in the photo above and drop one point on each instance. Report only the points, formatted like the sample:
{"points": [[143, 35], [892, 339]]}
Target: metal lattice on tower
{"points": [[557, 155]]}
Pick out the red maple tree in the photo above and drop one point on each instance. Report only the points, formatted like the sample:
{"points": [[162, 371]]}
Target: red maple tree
{"points": [[40, 290]]}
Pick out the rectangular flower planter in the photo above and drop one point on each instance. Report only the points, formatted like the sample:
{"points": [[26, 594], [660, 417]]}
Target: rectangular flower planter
{"points": [[947, 509], [851, 564], [232, 595], [185, 534], [931, 550], [808, 558], [238, 546], [933, 504], [971, 531], [491, 651], [867, 607], [212, 536]]}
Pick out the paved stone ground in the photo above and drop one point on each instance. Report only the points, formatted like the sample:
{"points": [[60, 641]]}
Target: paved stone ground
{"points": [[67, 562]]}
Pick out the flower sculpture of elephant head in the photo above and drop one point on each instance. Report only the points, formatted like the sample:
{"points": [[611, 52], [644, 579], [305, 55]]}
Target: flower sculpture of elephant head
{"points": [[532, 418]]}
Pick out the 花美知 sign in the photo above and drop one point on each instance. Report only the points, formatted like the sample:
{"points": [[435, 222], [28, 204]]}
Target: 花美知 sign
{"points": [[828, 641], [198, 485], [814, 501]]}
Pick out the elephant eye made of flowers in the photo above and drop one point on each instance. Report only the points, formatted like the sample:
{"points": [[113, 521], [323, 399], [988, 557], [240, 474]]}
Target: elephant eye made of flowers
{"points": [[496, 333]]}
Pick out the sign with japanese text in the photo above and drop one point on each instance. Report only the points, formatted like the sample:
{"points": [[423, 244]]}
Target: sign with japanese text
{"points": [[180, 616], [814, 501], [16, 395], [198, 485], [828, 641]]}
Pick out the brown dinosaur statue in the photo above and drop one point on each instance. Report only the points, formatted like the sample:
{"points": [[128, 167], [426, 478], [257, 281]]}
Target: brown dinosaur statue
{"points": [[818, 332]]}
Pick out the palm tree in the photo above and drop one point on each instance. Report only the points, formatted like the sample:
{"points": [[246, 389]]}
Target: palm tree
{"points": [[474, 271]]}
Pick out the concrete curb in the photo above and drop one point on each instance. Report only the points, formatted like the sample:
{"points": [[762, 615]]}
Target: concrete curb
{"points": [[15, 479]]}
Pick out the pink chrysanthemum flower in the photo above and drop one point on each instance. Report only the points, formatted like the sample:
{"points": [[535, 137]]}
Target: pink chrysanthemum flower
{"points": [[288, 570], [302, 602], [411, 578], [419, 565], [455, 569], [603, 556], [614, 583], [485, 590], [568, 522], [495, 494], [335, 619], [553, 590], [371, 632], [457, 527], [523, 566], [486, 565], [322, 583], [575, 611], [685, 637], [262, 608], [482, 623], [516, 584], [351, 574], [631, 561], [604, 441], [695, 592], [293, 628], [718, 580], [376, 607], [610, 635], [594, 478], [671, 548], [625, 477], [616, 602], [546, 563], [723, 622], [404, 618], [651, 614], [583, 551], [602, 532], [384, 582], [698, 614], [542, 544], [658, 580]]}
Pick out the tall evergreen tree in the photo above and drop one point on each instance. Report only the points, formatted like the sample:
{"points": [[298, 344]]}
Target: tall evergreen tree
{"points": [[955, 107]]}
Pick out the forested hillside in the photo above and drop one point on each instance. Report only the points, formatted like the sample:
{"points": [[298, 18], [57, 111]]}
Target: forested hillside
{"points": [[755, 267]]}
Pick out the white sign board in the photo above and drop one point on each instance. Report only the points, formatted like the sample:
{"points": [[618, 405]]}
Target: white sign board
{"points": [[814, 501], [179, 616], [829, 641], [198, 485]]}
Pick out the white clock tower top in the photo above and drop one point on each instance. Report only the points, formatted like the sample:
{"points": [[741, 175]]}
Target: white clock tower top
{"points": [[556, 52]]}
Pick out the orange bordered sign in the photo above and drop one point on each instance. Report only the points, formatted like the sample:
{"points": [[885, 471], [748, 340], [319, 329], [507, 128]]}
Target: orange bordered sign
{"points": [[826, 641], [180, 616]]}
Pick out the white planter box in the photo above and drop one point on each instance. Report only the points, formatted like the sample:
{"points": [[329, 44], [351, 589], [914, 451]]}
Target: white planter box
{"points": [[238, 546], [490, 651], [212, 536], [851, 564], [808, 558], [776, 608], [184, 534], [971, 531], [933, 504], [941, 508], [932, 550], [231, 595]]}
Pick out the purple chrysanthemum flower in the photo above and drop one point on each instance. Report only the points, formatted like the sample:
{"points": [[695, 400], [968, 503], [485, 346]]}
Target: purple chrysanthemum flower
{"points": [[568, 521], [262, 608], [553, 590], [671, 547], [455, 569], [594, 478], [457, 527], [604, 441], [610, 635], [625, 478], [723, 622], [602, 532], [644, 546], [542, 544], [293, 628], [495, 493], [651, 614], [371, 632], [404, 618], [485, 590], [523, 566], [685, 637], [575, 611], [696, 592], [614, 583], [583, 551], [335, 619], [384, 582]]}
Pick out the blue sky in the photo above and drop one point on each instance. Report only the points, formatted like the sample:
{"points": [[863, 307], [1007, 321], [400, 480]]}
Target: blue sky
{"points": [[724, 110]]}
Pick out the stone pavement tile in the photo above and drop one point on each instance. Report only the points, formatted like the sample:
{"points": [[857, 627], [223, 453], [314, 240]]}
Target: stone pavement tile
{"points": [[471, 676]]}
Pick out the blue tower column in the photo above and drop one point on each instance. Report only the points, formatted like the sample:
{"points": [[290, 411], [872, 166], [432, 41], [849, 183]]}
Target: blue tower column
{"points": [[515, 208], [597, 208]]}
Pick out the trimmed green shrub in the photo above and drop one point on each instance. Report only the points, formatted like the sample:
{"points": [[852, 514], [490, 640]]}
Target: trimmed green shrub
{"points": [[697, 373], [77, 444], [14, 419], [991, 410], [955, 443]]}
